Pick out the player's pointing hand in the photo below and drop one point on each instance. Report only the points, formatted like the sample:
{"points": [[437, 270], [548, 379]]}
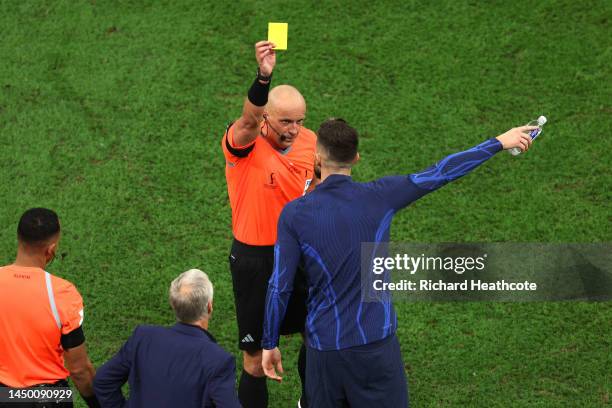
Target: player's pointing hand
{"points": [[271, 361], [266, 57], [517, 137]]}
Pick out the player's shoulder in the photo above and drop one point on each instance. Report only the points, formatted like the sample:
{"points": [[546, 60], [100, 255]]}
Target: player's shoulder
{"points": [[293, 207], [299, 208], [290, 208]]}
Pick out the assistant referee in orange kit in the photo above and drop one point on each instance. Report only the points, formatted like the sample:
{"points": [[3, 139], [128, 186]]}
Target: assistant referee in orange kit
{"points": [[41, 317], [269, 161]]}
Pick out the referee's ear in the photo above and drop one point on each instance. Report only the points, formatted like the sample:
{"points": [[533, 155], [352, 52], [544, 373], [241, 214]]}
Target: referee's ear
{"points": [[356, 159]]}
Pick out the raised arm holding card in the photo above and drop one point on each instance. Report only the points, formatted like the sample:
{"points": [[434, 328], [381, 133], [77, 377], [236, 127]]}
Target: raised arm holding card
{"points": [[247, 127]]}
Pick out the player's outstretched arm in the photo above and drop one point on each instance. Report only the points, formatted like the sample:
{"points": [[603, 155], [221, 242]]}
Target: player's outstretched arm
{"points": [[400, 191], [459, 164], [246, 128]]}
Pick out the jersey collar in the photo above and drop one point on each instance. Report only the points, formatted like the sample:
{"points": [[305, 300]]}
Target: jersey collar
{"points": [[335, 179], [284, 151]]}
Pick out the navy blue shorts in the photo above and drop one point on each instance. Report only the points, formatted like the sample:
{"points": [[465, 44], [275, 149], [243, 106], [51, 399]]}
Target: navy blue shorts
{"points": [[365, 376]]}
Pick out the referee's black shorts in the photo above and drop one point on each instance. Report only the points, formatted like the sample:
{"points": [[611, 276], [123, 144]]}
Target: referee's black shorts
{"points": [[251, 268]]}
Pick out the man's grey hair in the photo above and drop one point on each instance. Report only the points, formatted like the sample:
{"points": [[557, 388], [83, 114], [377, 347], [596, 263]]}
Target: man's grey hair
{"points": [[189, 296]]}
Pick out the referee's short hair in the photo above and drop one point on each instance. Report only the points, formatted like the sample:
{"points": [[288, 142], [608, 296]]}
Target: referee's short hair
{"points": [[37, 226], [189, 296], [339, 140]]}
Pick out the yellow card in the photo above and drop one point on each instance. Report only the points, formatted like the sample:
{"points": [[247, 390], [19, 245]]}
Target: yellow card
{"points": [[277, 33]]}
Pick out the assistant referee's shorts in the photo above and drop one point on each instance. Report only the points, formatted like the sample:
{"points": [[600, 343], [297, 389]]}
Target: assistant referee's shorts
{"points": [[251, 267]]}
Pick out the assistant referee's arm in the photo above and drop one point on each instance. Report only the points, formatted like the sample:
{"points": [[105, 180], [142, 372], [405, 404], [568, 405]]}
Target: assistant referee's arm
{"points": [[246, 128], [81, 369]]}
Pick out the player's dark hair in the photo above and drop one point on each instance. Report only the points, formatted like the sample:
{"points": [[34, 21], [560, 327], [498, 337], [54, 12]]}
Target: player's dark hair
{"points": [[37, 225], [339, 140]]}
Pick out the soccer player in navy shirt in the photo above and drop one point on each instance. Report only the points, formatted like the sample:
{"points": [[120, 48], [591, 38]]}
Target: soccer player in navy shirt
{"points": [[353, 356]]}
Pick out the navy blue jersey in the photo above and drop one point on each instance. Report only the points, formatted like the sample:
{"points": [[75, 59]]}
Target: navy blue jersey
{"points": [[324, 231]]}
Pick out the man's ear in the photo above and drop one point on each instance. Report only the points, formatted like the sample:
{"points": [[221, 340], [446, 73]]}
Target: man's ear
{"points": [[356, 159], [210, 308], [50, 251]]}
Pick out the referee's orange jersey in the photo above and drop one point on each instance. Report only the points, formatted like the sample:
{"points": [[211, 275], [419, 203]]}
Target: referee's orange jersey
{"points": [[261, 180], [36, 308]]}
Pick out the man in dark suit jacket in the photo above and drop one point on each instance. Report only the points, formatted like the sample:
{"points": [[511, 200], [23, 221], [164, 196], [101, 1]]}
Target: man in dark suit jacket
{"points": [[178, 366]]}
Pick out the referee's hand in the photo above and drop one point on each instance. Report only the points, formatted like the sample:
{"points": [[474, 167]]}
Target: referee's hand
{"points": [[266, 57], [271, 361]]}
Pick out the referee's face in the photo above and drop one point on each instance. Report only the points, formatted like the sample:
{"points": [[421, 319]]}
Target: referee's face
{"points": [[285, 123]]}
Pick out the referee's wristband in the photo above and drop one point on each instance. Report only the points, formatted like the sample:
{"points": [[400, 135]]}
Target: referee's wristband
{"points": [[258, 93]]}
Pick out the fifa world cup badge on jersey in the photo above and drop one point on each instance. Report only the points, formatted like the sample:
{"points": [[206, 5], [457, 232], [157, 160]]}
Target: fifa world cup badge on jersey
{"points": [[306, 185]]}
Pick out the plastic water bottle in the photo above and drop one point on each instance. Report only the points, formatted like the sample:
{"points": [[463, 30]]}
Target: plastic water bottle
{"points": [[515, 151]]}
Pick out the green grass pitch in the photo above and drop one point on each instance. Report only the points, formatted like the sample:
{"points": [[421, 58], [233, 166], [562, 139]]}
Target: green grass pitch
{"points": [[111, 113]]}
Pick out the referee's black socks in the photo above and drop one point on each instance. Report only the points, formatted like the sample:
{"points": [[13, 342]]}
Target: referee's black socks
{"points": [[252, 391]]}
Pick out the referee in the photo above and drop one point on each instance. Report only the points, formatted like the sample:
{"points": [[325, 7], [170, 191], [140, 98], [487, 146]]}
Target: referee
{"points": [[41, 334], [269, 161], [353, 356]]}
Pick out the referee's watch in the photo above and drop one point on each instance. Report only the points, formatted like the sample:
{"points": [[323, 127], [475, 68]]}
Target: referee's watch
{"points": [[263, 78]]}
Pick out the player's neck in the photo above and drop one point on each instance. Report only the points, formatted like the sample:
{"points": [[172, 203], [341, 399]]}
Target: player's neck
{"points": [[30, 260], [329, 171]]}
